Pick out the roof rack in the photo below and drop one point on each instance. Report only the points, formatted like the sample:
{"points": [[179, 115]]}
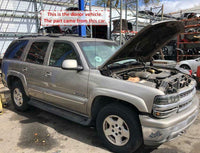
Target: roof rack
{"points": [[50, 35], [37, 35], [58, 35]]}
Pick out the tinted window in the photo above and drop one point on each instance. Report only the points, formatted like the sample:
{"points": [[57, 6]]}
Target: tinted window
{"points": [[16, 49], [60, 52], [37, 52]]}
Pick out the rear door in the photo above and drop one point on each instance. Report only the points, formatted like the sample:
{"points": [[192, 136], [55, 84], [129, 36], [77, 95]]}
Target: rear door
{"points": [[65, 88], [33, 68]]}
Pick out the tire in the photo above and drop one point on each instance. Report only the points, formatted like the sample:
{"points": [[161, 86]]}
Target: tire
{"points": [[184, 66], [128, 134], [19, 97]]}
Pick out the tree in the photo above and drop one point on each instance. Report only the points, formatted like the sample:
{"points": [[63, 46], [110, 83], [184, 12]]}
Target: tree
{"points": [[150, 1]]}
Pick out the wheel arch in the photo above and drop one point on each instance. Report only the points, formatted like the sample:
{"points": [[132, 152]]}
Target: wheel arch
{"points": [[16, 76], [185, 64], [101, 101]]}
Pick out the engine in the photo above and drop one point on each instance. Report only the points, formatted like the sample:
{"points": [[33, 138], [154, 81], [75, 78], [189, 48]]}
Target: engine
{"points": [[168, 81]]}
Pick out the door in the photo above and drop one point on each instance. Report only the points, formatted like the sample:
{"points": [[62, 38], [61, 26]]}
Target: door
{"points": [[65, 88], [33, 68]]}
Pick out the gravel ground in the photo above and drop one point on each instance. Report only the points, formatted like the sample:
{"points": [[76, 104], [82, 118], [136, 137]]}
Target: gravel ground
{"points": [[40, 131]]}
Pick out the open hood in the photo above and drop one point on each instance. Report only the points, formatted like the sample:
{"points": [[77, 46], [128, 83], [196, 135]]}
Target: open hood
{"points": [[147, 42]]}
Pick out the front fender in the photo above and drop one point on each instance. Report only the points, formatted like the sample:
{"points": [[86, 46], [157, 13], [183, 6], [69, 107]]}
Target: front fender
{"points": [[21, 77], [132, 99]]}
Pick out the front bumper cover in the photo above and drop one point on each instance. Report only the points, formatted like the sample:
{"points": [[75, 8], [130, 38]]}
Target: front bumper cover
{"points": [[158, 131]]}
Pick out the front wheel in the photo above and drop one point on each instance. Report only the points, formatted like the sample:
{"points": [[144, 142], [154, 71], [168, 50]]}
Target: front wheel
{"points": [[19, 97], [119, 128]]}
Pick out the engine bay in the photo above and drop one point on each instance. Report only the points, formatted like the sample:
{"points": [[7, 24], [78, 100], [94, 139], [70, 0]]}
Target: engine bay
{"points": [[168, 81]]}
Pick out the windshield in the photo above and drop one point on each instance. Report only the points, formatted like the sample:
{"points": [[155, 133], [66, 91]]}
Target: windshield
{"points": [[97, 52]]}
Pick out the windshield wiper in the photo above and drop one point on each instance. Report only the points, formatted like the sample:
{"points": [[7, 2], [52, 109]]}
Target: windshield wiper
{"points": [[115, 65], [130, 63]]}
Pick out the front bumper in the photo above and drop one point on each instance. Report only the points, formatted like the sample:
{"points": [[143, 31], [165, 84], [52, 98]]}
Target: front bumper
{"points": [[158, 131]]}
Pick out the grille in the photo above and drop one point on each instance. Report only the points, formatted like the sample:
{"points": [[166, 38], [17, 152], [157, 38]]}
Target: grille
{"points": [[186, 99]]}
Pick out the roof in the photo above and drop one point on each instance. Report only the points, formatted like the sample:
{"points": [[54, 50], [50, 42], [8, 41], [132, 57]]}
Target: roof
{"points": [[62, 37]]}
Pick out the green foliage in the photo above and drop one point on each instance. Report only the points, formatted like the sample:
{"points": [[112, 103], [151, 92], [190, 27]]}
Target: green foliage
{"points": [[150, 1]]}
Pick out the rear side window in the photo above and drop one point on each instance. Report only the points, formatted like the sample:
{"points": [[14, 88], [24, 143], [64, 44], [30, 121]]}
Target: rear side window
{"points": [[37, 52], [16, 49]]}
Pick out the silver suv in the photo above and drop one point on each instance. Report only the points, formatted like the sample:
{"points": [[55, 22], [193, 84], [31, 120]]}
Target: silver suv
{"points": [[94, 82]]}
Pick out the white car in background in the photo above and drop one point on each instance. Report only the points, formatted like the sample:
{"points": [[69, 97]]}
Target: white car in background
{"points": [[186, 64], [190, 64]]}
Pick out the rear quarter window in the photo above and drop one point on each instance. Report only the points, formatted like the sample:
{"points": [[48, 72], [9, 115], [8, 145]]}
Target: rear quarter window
{"points": [[15, 49]]}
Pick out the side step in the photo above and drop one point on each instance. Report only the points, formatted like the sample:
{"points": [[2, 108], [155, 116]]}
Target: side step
{"points": [[60, 112]]}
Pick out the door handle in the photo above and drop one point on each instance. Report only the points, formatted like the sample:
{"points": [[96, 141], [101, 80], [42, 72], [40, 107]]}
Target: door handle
{"points": [[24, 69], [48, 74]]}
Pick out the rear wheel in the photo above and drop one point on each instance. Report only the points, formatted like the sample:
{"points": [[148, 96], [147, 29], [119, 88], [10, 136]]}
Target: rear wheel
{"points": [[19, 97], [119, 128]]}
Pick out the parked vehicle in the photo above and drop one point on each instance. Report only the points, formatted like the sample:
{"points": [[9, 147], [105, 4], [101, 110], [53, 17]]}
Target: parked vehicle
{"points": [[191, 64], [94, 82]]}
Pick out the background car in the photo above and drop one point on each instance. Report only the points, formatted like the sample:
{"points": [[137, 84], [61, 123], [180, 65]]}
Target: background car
{"points": [[190, 64]]}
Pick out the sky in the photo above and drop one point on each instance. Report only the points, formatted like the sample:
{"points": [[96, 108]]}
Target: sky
{"points": [[171, 5], [176, 5]]}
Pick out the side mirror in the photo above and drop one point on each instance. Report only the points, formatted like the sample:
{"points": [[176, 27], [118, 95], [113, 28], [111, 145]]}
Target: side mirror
{"points": [[71, 64]]}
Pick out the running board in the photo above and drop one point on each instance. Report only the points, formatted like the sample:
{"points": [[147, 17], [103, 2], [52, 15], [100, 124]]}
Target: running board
{"points": [[60, 112]]}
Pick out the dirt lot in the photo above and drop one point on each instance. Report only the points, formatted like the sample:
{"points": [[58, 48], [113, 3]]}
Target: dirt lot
{"points": [[39, 131]]}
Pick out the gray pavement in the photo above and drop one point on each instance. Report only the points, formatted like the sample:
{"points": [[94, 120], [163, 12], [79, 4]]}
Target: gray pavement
{"points": [[40, 131]]}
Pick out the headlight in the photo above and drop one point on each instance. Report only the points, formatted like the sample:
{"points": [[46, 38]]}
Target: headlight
{"points": [[166, 99], [165, 105]]}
